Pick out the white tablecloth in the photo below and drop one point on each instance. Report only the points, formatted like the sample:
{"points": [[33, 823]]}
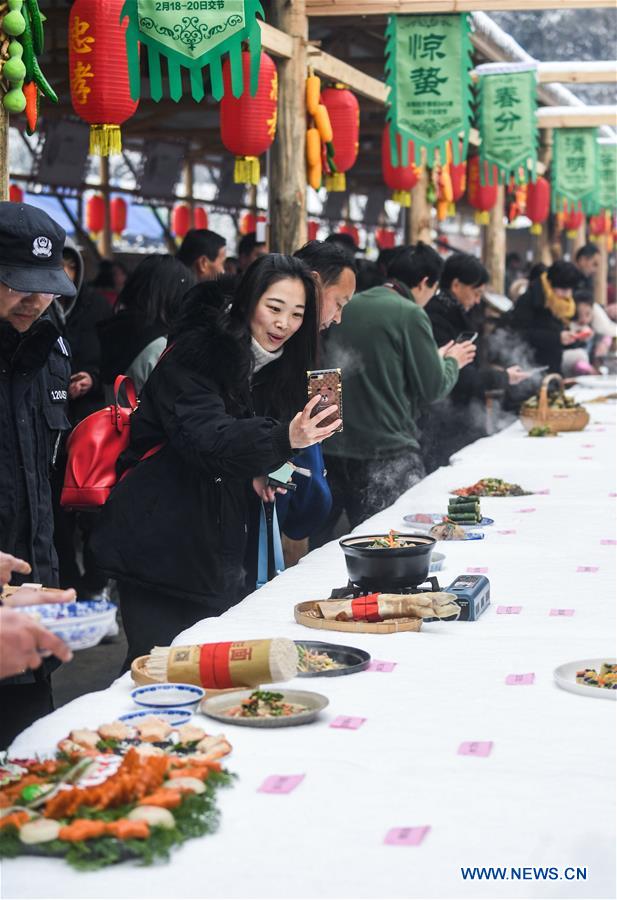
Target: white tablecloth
{"points": [[544, 797]]}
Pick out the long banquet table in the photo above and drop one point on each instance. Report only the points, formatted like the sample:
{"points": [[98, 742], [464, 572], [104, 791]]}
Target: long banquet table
{"points": [[543, 797]]}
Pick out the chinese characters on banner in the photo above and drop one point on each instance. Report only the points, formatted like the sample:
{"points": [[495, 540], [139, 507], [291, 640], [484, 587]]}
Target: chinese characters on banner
{"points": [[428, 62], [607, 176], [507, 120], [575, 169], [193, 34]]}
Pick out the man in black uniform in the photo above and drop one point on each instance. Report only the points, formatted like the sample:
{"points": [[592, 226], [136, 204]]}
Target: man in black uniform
{"points": [[34, 379]]}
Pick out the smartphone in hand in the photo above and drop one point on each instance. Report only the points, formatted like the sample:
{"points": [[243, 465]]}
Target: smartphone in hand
{"points": [[467, 336], [326, 383]]}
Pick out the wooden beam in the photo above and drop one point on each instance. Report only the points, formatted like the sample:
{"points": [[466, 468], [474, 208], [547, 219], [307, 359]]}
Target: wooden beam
{"points": [[601, 72], [276, 42], [576, 116], [356, 80], [384, 7]]}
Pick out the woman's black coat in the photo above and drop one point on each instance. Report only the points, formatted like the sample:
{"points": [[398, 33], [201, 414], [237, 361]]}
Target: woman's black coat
{"points": [[177, 522], [539, 327]]}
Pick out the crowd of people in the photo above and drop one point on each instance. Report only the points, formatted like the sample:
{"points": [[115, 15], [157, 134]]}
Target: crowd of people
{"points": [[218, 350]]}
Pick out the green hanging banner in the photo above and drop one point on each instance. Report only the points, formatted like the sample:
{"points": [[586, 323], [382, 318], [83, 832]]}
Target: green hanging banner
{"points": [[575, 169], [428, 63], [192, 34], [607, 176], [507, 120]]}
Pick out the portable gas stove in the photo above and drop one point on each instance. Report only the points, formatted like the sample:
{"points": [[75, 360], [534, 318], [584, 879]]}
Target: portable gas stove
{"points": [[473, 594]]}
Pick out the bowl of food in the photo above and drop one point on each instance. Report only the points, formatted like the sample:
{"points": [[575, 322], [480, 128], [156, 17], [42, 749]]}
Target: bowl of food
{"points": [[265, 709], [81, 625], [380, 561]]}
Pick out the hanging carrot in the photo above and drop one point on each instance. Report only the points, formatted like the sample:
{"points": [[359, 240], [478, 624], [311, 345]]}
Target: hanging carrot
{"points": [[31, 93], [322, 121], [313, 90], [313, 147]]}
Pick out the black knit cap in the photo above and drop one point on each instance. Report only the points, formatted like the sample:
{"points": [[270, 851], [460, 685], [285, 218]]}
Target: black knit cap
{"points": [[31, 246]]}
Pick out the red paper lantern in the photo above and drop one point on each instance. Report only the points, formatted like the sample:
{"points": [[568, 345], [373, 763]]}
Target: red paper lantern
{"points": [[118, 211], [344, 111], [99, 73], [16, 194], [248, 124], [200, 217], [538, 203], [573, 219], [458, 176], [249, 221], [600, 225], [482, 197], [385, 238], [400, 179], [95, 214], [180, 220], [352, 231], [311, 230]]}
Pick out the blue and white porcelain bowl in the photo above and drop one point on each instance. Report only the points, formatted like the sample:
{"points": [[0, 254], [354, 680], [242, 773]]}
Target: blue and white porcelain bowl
{"points": [[173, 717], [81, 624], [178, 696]]}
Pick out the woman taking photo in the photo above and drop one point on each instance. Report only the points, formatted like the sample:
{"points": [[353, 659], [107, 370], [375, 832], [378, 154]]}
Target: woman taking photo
{"points": [[173, 532]]}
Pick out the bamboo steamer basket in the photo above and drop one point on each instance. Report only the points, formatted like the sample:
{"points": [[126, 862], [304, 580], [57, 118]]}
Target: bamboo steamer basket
{"points": [[557, 419], [308, 614], [141, 678]]}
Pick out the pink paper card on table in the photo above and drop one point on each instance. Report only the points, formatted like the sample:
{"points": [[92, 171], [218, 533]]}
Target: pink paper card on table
{"points": [[478, 570], [612, 494], [280, 784], [508, 610], [475, 748], [507, 531], [380, 665], [585, 457], [526, 678], [407, 837], [561, 612], [528, 509], [544, 491], [561, 476], [591, 569], [587, 446], [350, 722], [608, 542]]}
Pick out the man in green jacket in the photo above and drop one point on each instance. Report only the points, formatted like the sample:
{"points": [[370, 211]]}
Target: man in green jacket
{"points": [[391, 367]]}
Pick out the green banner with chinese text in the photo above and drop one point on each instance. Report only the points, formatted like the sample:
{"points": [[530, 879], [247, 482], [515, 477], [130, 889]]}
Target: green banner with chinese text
{"points": [[428, 63], [607, 176], [192, 34], [507, 120], [575, 169]]}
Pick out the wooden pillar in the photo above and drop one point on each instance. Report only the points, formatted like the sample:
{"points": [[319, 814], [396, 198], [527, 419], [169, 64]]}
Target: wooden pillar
{"points": [[105, 244], [495, 244], [600, 279], [188, 188], [287, 185], [419, 213]]}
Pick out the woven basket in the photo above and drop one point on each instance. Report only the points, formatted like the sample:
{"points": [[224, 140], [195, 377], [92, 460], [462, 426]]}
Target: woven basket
{"points": [[557, 419], [308, 614]]}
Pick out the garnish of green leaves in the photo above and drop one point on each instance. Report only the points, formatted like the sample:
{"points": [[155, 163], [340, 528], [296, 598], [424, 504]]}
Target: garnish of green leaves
{"points": [[195, 816]]}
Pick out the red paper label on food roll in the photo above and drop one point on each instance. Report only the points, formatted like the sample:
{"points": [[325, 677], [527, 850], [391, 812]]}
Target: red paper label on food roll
{"points": [[214, 665], [366, 608]]}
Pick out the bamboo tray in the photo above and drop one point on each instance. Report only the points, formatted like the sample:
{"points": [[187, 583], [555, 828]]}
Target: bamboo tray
{"points": [[141, 678], [308, 614], [557, 419]]}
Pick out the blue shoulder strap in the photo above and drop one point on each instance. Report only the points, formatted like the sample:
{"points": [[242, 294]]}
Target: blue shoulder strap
{"points": [[262, 560]]}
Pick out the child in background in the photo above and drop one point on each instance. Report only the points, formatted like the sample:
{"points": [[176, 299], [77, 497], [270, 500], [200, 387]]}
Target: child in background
{"points": [[580, 358]]}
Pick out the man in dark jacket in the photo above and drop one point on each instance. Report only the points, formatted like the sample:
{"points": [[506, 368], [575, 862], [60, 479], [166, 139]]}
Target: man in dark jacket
{"points": [[77, 318], [34, 378], [462, 418]]}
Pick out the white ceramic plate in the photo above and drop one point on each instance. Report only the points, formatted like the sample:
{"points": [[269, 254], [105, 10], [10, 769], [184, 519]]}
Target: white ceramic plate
{"points": [[175, 695], [565, 676], [215, 707], [173, 717]]}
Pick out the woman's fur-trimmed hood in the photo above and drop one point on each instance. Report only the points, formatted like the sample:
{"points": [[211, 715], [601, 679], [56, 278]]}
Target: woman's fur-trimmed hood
{"points": [[205, 340]]}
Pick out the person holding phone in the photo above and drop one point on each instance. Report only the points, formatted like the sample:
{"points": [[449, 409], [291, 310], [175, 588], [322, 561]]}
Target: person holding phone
{"points": [[173, 532], [450, 425]]}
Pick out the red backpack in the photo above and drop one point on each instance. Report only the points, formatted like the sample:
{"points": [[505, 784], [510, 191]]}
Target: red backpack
{"points": [[93, 450]]}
